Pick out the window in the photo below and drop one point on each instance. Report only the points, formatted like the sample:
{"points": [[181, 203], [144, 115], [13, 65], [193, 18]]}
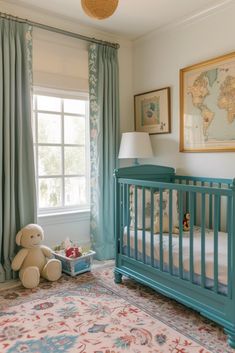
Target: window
{"points": [[60, 124]]}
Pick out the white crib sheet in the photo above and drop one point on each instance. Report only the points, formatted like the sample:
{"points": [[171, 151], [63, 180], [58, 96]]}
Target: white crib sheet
{"points": [[209, 250]]}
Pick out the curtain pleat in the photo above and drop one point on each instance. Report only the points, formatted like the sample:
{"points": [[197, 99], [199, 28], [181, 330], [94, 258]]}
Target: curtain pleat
{"points": [[104, 142], [17, 175]]}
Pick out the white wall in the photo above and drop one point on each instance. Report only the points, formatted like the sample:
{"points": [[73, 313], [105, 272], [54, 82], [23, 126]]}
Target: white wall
{"points": [[60, 60], [158, 58]]}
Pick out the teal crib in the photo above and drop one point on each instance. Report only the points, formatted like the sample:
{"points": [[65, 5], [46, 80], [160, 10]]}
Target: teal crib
{"points": [[195, 267]]}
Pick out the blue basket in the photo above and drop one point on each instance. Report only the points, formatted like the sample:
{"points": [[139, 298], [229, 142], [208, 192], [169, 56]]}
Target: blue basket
{"points": [[75, 266]]}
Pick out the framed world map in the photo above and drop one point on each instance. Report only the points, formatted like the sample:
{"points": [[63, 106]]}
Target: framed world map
{"points": [[207, 106]]}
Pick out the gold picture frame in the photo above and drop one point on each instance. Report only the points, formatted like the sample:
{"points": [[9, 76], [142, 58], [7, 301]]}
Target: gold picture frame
{"points": [[152, 111], [207, 106]]}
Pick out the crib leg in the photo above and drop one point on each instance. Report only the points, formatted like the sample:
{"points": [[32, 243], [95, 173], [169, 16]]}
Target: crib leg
{"points": [[231, 337], [117, 277]]}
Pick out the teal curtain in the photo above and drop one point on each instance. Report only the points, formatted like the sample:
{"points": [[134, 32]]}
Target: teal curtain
{"points": [[17, 177], [104, 143]]}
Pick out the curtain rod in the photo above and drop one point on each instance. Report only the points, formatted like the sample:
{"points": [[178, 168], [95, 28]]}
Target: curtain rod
{"points": [[58, 30]]}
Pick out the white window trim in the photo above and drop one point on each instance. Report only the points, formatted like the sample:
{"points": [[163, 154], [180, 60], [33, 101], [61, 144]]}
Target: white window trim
{"points": [[60, 92], [63, 218], [73, 213]]}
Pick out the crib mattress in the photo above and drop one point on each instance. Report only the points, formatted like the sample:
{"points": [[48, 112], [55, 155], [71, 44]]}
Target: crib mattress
{"points": [[209, 251]]}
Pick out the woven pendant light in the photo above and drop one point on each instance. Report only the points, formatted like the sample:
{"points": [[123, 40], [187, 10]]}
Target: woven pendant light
{"points": [[99, 9]]}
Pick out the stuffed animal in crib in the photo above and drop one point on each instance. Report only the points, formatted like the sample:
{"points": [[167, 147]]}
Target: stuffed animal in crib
{"points": [[186, 222], [33, 260]]}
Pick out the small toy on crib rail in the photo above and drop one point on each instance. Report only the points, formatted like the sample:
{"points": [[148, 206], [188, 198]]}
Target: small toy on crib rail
{"points": [[186, 222]]}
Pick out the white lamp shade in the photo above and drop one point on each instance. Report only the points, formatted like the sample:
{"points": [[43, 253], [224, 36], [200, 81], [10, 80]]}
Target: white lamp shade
{"points": [[135, 145]]}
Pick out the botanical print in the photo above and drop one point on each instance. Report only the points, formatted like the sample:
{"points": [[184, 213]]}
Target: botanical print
{"points": [[152, 111], [208, 108], [83, 315]]}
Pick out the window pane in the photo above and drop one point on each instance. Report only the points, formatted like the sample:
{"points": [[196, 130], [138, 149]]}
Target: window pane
{"points": [[59, 131], [34, 127], [74, 130], [75, 191], [35, 155], [74, 106], [52, 104], [34, 102], [49, 160], [74, 160], [49, 128], [50, 191]]}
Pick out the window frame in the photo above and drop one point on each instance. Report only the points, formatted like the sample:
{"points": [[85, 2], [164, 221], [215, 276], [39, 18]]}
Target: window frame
{"points": [[62, 94]]}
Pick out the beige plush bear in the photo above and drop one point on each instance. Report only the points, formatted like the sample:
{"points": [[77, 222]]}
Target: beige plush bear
{"points": [[33, 260]]}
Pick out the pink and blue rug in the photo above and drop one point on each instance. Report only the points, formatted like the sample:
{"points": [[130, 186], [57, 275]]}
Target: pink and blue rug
{"points": [[91, 314]]}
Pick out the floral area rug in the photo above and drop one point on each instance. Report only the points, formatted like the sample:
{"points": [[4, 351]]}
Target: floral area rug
{"points": [[173, 314], [91, 314]]}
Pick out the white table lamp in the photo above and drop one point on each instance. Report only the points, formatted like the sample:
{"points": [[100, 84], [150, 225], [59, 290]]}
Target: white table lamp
{"points": [[135, 145]]}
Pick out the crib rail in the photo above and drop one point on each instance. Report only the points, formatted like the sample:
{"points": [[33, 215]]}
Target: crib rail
{"points": [[203, 181], [145, 209]]}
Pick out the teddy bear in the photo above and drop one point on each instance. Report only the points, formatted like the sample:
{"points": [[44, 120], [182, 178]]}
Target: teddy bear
{"points": [[186, 222], [33, 259]]}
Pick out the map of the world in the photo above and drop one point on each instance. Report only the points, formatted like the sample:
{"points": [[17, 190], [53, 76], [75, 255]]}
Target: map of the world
{"points": [[209, 107]]}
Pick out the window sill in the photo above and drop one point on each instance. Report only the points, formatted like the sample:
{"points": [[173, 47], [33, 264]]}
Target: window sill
{"points": [[65, 217]]}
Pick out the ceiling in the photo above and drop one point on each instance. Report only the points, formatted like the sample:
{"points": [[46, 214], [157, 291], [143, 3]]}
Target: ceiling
{"points": [[132, 19]]}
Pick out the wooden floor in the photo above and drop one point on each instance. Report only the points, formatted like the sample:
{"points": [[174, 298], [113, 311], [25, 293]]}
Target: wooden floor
{"points": [[9, 284], [14, 283]]}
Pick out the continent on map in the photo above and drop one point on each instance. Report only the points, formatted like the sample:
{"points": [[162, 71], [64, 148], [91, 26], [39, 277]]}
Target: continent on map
{"points": [[207, 116], [226, 99], [199, 91]]}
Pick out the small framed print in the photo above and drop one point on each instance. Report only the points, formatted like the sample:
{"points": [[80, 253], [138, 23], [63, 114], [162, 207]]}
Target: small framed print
{"points": [[152, 111]]}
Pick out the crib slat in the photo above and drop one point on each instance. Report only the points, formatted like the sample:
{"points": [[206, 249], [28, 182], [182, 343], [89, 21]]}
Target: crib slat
{"points": [[160, 229], [216, 226], [136, 222], [187, 198], [124, 186], [170, 233], [128, 218], [203, 270], [143, 225], [121, 217], [181, 216], [195, 204], [117, 220], [210, 208], [229, 244], [191, 251], [152, 227], [219, 206]]}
